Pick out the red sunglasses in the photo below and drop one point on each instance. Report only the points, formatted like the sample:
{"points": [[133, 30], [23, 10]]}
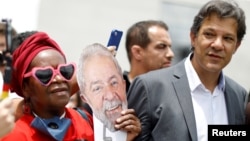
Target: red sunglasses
{"points": [[45, 75]]}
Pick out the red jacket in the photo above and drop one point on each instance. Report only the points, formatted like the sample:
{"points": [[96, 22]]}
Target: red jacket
{"points": [[79, 129]]}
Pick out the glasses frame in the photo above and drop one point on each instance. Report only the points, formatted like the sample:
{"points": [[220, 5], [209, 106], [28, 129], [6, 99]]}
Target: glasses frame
{"points": [[54, 73]]}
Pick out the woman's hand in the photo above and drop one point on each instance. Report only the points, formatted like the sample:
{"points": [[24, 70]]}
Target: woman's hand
{"points": [[7, 119], [130, 123]]}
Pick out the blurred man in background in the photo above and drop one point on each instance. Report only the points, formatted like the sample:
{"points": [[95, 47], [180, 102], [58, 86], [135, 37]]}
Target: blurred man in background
{"points": [[148, 46]]}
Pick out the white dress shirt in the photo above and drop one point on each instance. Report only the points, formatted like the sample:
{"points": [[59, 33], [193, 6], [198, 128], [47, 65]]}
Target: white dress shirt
{"points": [[209, 108]]}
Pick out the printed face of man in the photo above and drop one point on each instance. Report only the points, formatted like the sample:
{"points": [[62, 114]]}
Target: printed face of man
{"points": [[104, 90]]}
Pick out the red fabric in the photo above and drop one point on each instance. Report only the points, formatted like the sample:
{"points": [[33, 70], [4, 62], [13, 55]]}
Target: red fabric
{"points": [[80, 129], [25, 53]]}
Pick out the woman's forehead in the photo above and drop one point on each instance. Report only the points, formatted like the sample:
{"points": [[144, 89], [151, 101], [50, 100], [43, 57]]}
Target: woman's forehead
{"points": [[48, 57]]}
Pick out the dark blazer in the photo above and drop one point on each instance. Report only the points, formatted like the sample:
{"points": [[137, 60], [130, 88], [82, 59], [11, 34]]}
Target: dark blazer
{"points": [[163, 103]]}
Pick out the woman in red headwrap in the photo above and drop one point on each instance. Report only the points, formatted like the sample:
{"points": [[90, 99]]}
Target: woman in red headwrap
{"points": [[42, 77]]}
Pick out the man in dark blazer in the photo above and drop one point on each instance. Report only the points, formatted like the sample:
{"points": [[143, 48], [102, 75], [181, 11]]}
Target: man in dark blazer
{"points": [[178, 103]]}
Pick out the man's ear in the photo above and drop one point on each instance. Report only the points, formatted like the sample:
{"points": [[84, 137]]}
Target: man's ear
{"points": [[136, 52], [192, 38], [237, 46], [124, 84], [83, 98]]}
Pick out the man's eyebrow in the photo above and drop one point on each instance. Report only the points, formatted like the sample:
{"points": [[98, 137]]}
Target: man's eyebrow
{"points": [[100, 82], [111, 77], [95, 82]]}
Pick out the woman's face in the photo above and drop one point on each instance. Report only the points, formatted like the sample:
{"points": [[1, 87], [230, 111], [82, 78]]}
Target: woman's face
{"points": [[47, 101]]}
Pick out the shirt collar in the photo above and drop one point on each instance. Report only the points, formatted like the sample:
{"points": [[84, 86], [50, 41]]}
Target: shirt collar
{"points": [[194, 80]]}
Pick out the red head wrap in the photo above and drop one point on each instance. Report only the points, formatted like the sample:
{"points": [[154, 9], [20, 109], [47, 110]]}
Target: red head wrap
{"points": [[24, 54]]}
